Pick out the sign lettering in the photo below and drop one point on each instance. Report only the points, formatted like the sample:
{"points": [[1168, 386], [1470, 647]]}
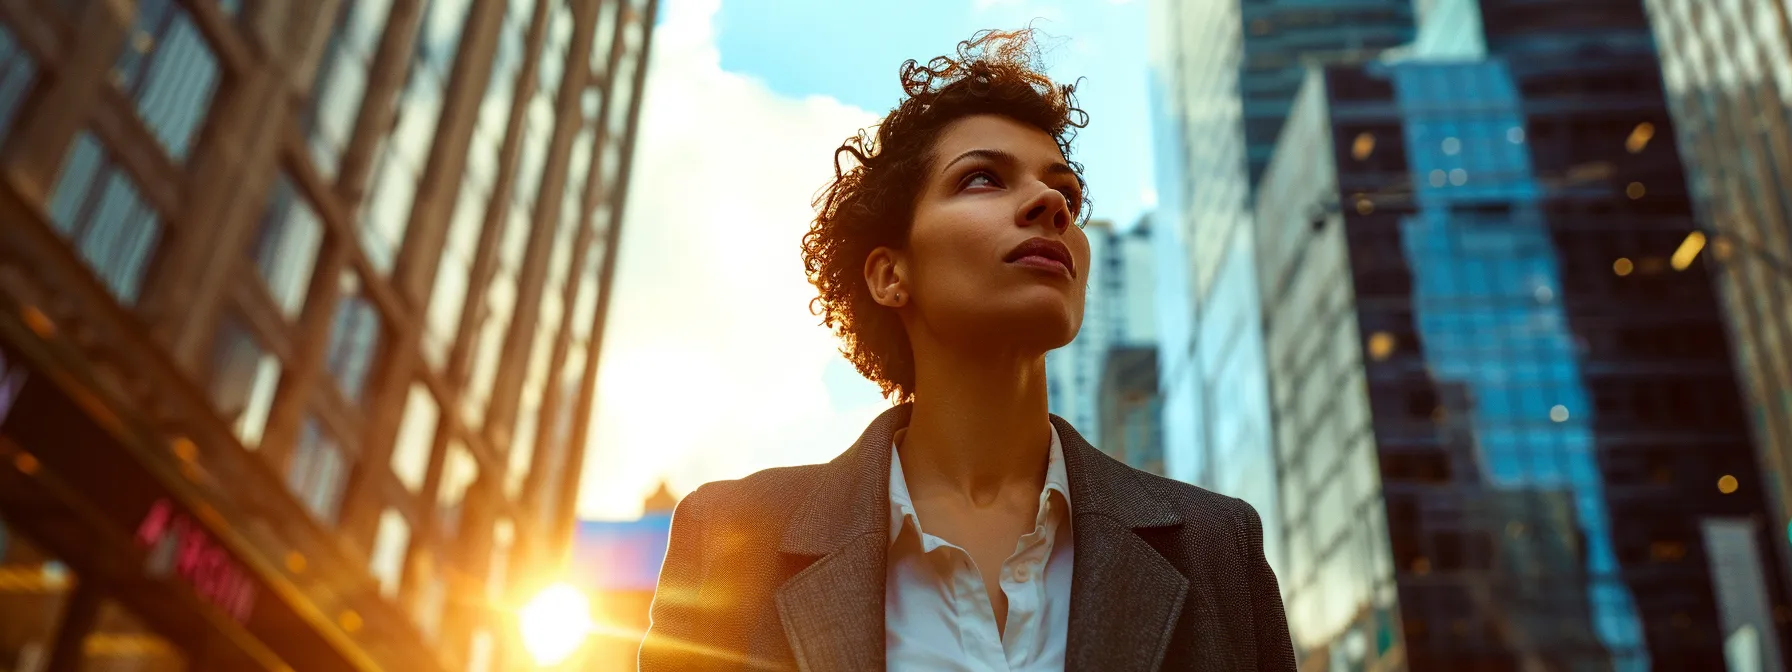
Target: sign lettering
{"points": [[179, 544]]}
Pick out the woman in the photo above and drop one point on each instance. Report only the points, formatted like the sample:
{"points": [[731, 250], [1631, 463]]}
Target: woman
{"points": [[967, 529]]}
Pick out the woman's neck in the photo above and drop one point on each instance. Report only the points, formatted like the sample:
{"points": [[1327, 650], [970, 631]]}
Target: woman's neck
{"points": [[980, 424]]}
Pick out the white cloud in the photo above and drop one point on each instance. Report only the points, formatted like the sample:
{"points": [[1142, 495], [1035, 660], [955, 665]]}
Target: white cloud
{"points": [[713, 366]]}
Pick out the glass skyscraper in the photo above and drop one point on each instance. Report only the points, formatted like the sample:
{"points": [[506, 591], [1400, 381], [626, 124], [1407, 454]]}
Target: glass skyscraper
{"points": [[1224, 76], [1507, 420], [300, 311], [1727, 67]]}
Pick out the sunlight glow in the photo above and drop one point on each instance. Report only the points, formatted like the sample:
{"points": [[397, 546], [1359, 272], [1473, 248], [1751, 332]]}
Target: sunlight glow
{"points": [[555, 623]]}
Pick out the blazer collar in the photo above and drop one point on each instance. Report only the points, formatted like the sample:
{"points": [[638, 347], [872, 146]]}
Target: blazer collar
{"points": [[1123, 590]]}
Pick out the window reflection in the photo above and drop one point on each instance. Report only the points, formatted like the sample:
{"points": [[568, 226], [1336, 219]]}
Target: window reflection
{"points": [[120, 642], [317, 471], [342, 79], [498, 567], [244, 378], [391, 541], [454, 274], [416, 437], [385, 215], [291, 236], [167, 67], [34, 591], [354, 340], [17, 72], [459, 470], [97, 206]]}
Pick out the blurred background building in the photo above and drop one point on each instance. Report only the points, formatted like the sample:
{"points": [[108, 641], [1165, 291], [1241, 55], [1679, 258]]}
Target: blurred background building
{"points": [[1727, 67], [1105, 381], [618, 564], [1508, 428], [300, 307]]}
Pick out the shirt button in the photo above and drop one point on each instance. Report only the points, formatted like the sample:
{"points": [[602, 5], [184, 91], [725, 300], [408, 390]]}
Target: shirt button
{"points": [[1022, 574]]}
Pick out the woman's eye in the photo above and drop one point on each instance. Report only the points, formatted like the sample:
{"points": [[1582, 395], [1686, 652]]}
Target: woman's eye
{"points": [[979, 179]]}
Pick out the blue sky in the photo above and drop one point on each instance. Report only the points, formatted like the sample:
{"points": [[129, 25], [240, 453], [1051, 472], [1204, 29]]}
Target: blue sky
{"points": [[713, 367], [784, 43]]}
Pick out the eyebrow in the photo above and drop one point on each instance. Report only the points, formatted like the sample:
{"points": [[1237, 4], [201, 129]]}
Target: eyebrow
{"points": [[1006, 158]]}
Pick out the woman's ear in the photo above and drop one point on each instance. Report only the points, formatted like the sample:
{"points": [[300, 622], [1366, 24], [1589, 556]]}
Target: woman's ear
{"points": [[886, 272]]}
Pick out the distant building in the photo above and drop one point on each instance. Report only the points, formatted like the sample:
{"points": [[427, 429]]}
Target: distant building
{"points": [[1225, 74], [1506, 420], [1727, 68], [618, 565], [1118, 314], [300, 313]]}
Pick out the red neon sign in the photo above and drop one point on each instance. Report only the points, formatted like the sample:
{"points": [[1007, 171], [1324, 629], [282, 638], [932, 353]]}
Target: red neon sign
{"points": [[180, 545]]}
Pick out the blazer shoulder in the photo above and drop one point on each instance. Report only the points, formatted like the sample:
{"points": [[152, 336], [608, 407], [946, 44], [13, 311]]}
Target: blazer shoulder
{"points": [[768, 494], [1200, 505]]}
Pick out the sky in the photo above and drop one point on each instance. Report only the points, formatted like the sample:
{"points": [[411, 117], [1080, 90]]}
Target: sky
{"points": [[712, 366]]}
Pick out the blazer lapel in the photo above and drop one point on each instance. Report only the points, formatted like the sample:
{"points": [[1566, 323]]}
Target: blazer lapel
{"points": [[1125, 597], [832, 611]]}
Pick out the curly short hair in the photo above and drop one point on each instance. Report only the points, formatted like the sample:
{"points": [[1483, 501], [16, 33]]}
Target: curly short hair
{"points": [[871, 203]]}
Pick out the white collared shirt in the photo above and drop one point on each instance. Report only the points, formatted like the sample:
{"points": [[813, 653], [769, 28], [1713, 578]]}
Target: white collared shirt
{"points": [[937, 613]]}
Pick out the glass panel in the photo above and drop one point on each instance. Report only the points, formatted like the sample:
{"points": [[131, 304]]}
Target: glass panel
{"points": [[500, 303], [121, 643], [498, 569], [440, 38], [454, 273], [317, 472], [243, 381], [98, 207], [480, 651], [431, 600], [391, 540], [167, 67], [354, 340], [416, 437], [385, 215], [291, 236], [34, 591], [341, 80], [17, 70], [459, 470]]}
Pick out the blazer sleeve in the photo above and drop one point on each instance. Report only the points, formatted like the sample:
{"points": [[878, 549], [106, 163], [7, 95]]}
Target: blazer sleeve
{"points": [[1275, 649], [673, 627]]}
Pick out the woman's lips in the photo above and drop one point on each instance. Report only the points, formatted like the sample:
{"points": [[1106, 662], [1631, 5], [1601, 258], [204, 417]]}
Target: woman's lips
{"points": [[1046, 264]]}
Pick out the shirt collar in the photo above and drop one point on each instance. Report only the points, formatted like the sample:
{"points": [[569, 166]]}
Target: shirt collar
{"points": [[902, 505]]}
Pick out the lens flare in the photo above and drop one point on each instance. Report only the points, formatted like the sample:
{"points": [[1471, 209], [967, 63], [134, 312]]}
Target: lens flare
{"points": [[555, 623]]}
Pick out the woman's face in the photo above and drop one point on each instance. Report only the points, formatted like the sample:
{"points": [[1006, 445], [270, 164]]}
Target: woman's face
{"points": [[994, 256]]}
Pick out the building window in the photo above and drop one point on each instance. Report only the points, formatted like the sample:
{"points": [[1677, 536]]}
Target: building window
{"points": [[32, 615], [317, 472], [244, 378], [17, 71], [169, 70], [98, 207], [497, 574], [454, 275], [291, 237], [559, 39], [459, 471], [342, 80], [416, 437], [385, 216], [391, 543], [354, 340]]}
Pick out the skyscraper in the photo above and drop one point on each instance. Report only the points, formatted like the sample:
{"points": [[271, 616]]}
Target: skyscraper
{"points": [[300, 309], [1224, 76], [1084, 378], [1506, 416], [1727, 68]]}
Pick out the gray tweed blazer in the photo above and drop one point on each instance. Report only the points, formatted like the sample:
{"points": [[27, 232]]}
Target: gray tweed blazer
{"points": [[784, 570]]}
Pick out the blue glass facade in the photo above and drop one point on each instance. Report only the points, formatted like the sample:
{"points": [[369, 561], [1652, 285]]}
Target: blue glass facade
{"points": [[1556, 461]]}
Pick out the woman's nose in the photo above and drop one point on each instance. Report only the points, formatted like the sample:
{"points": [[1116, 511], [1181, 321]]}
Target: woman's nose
{"points": [[1049, 208]]}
